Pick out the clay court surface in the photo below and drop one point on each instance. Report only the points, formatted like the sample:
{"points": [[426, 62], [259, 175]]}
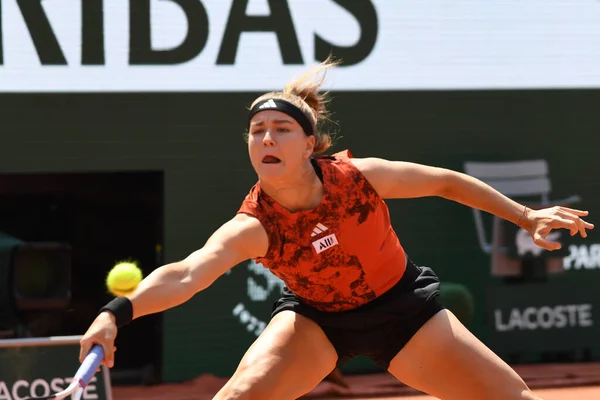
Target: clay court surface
{"points": [[577, 393], [551, 382], [173, 393]]}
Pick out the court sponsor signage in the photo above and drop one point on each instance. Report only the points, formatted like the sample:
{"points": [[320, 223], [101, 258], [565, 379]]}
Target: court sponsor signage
{"points": [[246, 45], [40, 367], [22, 388], [262, 288], [582, 257], [543, 316]]}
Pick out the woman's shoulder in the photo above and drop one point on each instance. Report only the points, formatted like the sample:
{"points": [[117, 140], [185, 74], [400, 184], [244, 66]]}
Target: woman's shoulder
{"points": [[251, 203], [343, 155], [343, 160], [343, 169]]}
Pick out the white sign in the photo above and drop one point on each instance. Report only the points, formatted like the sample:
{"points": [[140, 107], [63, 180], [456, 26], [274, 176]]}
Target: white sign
{"points": [[247, 45], [546, 317], [22, 389], [256, 292], [582, 257]]}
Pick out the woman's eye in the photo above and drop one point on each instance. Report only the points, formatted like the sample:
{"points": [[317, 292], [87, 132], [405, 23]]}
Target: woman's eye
{"points": [[257, 132], [283, 130]]}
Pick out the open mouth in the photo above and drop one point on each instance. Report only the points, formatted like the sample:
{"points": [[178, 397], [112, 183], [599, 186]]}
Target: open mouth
{"points": [[271, 160]]}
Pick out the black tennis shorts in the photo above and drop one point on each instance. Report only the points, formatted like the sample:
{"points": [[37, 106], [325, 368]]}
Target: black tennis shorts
{"points": [[380, 328]]}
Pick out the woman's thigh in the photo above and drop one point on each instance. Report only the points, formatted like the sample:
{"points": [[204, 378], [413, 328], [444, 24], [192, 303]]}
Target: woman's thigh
{"points": [[445, 360], [288, 359]]}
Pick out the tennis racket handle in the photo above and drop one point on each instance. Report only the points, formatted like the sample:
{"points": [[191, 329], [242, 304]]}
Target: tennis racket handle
{"points": [[89, 365]]}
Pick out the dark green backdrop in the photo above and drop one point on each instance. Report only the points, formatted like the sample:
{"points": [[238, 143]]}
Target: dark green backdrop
{"points": [[196, 139]]}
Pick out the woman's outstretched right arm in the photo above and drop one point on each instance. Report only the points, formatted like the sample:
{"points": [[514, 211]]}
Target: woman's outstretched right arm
{"points": [[239, 239], [170, 285]]}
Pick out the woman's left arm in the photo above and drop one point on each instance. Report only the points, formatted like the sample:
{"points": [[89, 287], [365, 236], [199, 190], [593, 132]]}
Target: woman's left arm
{"points": [[399, 179]]}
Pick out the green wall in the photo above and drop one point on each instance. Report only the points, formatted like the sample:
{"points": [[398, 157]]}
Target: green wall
{"points": [[196, 139]]}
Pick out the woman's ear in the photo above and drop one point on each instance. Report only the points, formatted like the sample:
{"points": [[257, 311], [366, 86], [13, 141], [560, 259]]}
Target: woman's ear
{"points": [[310, 146]]}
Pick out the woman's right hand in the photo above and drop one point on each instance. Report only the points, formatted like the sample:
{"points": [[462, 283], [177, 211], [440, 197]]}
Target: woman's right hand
{"points": [[103, 331]]}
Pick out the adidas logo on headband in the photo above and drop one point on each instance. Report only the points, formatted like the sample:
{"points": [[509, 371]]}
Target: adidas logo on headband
{"points": [[268, 104], [285, 107]]}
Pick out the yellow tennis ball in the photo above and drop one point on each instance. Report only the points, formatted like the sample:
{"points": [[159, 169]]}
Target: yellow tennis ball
{"points": [[123, 278]]}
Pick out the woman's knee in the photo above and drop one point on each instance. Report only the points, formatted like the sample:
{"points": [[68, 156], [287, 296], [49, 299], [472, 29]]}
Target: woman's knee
{"points": [[529, 395], [244, 385], [249, 383]]}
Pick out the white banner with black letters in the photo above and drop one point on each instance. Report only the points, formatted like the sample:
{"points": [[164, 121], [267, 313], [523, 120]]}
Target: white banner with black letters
{"points": [[246, 45]]}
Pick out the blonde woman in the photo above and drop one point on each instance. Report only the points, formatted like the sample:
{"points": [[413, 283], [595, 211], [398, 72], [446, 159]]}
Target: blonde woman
{"points": [[320, 223]]}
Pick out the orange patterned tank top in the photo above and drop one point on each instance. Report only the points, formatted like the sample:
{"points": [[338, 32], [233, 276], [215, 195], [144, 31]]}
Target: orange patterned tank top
{"points": [[339, 255]]}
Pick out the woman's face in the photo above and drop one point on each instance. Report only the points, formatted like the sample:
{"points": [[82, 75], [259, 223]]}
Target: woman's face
{"points": [[277, 145]]}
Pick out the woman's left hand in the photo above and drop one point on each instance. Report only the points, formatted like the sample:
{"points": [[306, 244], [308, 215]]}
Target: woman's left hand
{"points": [[539, 223]]}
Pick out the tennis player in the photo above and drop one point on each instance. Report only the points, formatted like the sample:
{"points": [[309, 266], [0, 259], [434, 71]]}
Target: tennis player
{"points": [[320, 223]]}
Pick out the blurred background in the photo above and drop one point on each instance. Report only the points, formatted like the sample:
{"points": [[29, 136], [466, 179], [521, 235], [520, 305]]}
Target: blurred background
{"points": [[121, 137]]}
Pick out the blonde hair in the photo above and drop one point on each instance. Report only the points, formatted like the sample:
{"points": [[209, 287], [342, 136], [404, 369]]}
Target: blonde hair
{"points": [[304, 93]]}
